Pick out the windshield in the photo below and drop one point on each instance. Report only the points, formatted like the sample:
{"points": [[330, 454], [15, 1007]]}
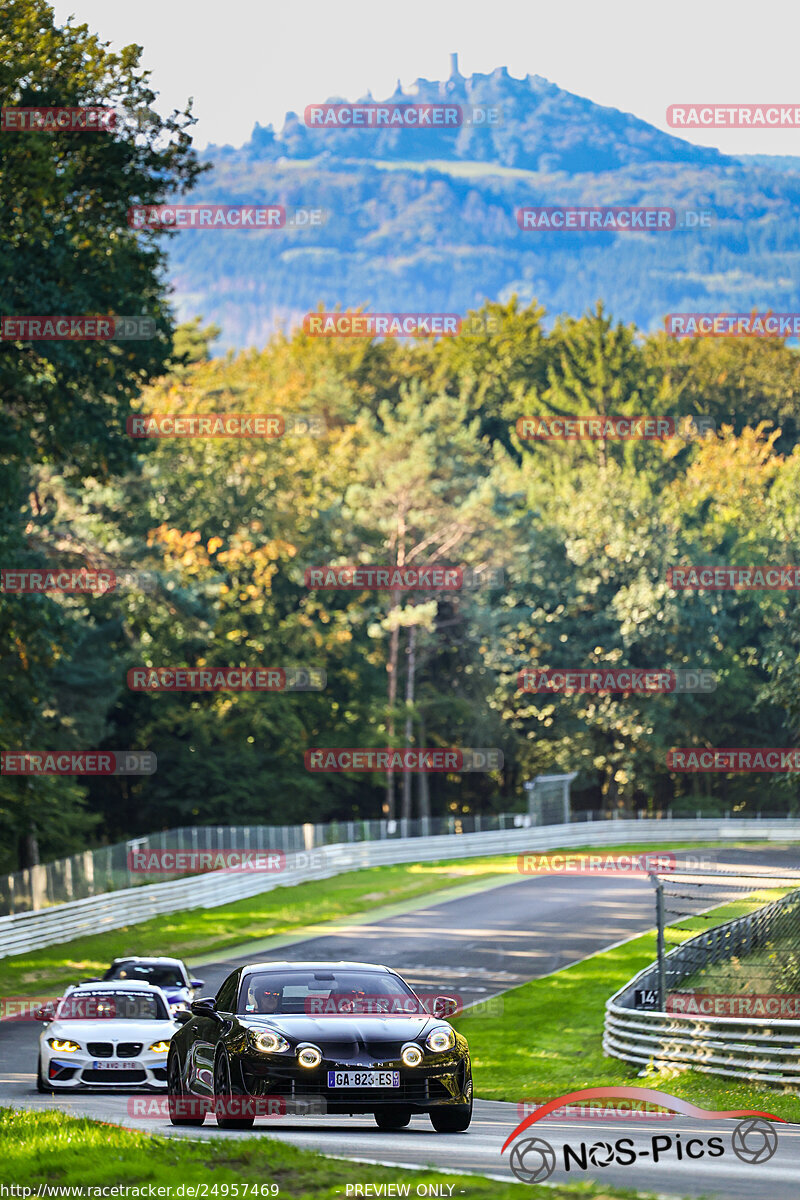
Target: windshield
{"points": [[111, 1005], [327, 993], [155, 973]]}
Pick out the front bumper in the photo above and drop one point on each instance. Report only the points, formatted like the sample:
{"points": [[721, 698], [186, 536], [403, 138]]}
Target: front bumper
{"points": [[441, 1079], [71, 1072]]}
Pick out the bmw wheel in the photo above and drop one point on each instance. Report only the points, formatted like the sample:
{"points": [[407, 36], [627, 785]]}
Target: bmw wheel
{"points": [[41, 1086]]}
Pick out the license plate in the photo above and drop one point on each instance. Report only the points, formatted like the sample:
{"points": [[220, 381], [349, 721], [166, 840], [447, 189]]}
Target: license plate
{"points": [[360, 1079], [112, 1064]]}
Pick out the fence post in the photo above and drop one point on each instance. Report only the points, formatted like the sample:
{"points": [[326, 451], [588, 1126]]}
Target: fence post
{"points": [[662, 966]]}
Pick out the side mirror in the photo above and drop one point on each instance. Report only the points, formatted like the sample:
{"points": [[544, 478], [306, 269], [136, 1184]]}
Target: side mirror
{"points": [[44, 1014], [205, 1007], [94, 979], [196, 983], [182, 1016], [445, 1006]]}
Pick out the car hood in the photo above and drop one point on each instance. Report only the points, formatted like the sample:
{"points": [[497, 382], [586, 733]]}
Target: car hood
{"points": [[109, 1030], [345, 1028]]}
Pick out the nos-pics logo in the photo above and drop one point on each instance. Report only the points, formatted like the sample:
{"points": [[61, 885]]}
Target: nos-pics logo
{"points": [[533, 1159]]}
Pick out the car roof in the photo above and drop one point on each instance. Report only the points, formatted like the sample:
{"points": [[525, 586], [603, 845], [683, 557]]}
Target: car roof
{"points": [[149, 958], [116, 985], [327, 965]]}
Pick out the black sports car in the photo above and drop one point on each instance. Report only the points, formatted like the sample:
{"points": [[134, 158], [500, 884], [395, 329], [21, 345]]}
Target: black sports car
{"points": [[350, 1037]]}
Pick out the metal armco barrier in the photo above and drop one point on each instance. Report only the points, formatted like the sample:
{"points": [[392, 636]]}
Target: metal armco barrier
{"points": [[60, 923], [760, 1048]]}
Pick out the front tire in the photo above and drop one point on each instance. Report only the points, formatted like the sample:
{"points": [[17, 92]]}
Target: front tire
{"points": [[176, 1096], [388, 1119], [223, 1090], [455, 1119], [41, 1086]]}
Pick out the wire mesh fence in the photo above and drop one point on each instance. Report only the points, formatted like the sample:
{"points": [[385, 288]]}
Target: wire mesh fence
{"points": [[111, 868], [746, 961]]}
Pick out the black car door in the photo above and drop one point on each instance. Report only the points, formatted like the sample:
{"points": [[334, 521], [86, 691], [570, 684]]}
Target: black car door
{"points": [[206, 1034]]}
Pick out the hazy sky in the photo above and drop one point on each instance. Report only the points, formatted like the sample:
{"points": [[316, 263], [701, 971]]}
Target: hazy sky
{"points": [[252, 60]]}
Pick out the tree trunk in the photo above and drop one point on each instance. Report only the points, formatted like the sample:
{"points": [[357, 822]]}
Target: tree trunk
{"points": [[391, 666], [424, 790], [28, 850], [412, 663]]}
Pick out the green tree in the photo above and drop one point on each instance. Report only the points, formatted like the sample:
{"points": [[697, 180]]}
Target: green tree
{"points": [[66, 248]]}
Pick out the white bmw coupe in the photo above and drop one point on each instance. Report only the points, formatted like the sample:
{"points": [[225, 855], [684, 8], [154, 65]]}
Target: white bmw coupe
{"points": [[106, 1035]]}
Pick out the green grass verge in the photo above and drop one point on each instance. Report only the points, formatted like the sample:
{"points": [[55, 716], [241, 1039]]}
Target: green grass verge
{"points": [[50, 1148], [548, 1038], [198, 932]]}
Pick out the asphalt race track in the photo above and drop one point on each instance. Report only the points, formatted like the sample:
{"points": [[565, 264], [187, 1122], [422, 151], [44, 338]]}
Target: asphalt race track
{"points": [[475, 946]]}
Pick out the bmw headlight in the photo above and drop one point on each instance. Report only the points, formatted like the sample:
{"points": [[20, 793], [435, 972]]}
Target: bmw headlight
{"points": [[160, 1047], [412, 1056], [63, 1045], [271, 1042], [309, 1056], [441, 1039]]}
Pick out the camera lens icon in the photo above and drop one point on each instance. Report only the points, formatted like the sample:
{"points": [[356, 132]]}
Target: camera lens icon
{"points": [[533, 1160], [754, 1140]]}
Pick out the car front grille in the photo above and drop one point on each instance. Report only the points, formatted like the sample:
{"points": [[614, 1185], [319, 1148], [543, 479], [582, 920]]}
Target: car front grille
{"points": [[100, 1049], [128, 1049], [125, 1077]]}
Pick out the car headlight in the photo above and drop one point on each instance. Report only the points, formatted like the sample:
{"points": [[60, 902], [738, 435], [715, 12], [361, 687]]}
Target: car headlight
{"points": [[63, 1045], [179, 1007], [270, 1042], [441, 1039], [309, 1056], [412, 1056], [160, 1047]]}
